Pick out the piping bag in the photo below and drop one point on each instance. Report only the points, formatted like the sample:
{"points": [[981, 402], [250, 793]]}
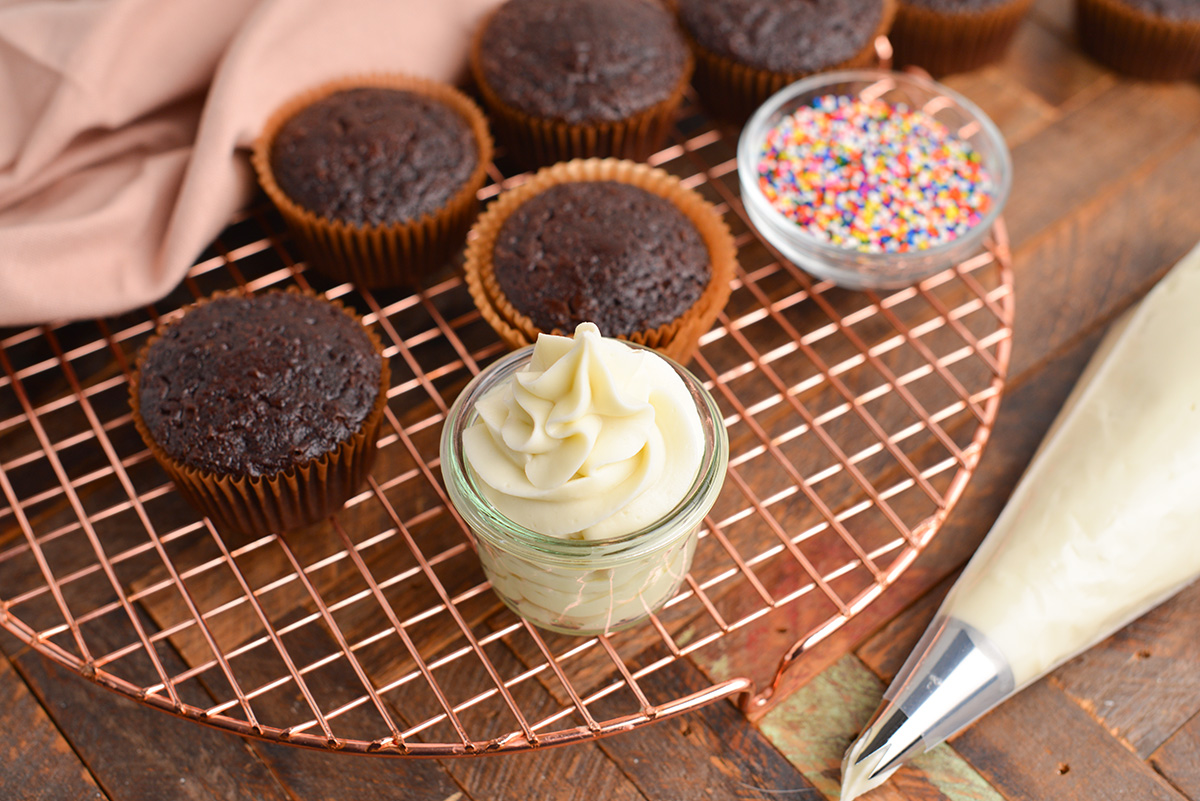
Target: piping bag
{"points": [[1103, 526]]}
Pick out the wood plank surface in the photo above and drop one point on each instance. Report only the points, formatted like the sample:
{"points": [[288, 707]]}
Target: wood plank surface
{"points": [[1052, 67], [310, 774], [713, 754], [1107, 181], [137, 752], [1041, 745], [1142, 684], [36, 763], [1019, 431], [1178, 759], [1068, 163], [1104, 257]]}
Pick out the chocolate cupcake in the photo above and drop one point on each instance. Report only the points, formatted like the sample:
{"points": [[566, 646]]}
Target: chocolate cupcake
{"points": [[1152, 39], [611, 242], [602, 252], [569, 78], [946, 36], [746, 50], [376, 176], [263, 409]]}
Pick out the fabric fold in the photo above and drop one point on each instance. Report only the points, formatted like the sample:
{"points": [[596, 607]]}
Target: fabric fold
{"points": [[113, 180]]}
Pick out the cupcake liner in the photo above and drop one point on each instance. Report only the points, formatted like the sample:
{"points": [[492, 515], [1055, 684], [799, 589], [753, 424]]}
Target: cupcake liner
{"points": [[392, 254], [946, 43], [288, 499], [1136, 43], [677, 338], [535, 141], [733, 91]]}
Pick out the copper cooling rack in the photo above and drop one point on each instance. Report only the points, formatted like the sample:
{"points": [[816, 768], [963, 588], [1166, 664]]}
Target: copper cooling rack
{"points": [[855, 421]]}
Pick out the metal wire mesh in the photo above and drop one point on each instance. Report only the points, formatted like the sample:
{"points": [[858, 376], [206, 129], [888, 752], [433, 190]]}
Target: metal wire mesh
{"points": [[855, 421]]}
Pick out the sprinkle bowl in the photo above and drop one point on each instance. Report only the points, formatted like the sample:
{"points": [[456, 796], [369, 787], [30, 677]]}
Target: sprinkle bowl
{"points": [[846, 265]]}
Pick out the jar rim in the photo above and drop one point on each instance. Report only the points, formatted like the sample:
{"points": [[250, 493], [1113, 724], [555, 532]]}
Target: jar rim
{"points": [[485, 520]]}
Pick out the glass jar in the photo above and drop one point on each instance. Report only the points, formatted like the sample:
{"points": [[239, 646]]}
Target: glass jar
{"points": [[583, 587], [855, 269]]}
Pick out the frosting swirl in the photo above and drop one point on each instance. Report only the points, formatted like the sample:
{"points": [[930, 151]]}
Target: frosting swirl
{"points": [[591, 440]]}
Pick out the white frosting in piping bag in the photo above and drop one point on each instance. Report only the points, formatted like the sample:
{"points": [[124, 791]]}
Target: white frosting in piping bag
{"points": [[1103, 526], [1106, 521], [592, 440]]}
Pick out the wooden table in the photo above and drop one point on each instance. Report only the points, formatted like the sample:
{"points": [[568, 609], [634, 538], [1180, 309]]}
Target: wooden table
{"points": [[1104, 203]]}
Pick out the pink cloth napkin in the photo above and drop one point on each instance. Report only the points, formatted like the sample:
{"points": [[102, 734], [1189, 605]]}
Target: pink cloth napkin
{"points": [[117, 167]]}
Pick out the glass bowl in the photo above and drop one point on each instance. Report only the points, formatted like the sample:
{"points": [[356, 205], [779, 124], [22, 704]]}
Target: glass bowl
{"points": [[857, 269], [582, 587]]}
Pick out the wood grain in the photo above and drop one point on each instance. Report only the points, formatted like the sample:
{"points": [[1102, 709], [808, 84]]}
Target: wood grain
{"points": [[330, 776], [1025, 414], [1104, 257], [1068, 163], [1178, 759], [579, 771], [1041, 745], [1142, 683], [887, 649], [134, 751], [138, 752], [713, 754], [36, 763], [1103, 204], [1053, 68], [1018, 112]]}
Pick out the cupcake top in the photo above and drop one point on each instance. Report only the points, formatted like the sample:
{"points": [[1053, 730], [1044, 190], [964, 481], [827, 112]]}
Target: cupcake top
{"points": [[581, 61], [373, 156], [601, 251], [250, 386], [1168, 9], [957, 6], [783, 35]]}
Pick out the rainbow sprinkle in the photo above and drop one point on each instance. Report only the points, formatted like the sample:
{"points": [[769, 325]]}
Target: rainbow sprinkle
{"points": [[873, 176]]}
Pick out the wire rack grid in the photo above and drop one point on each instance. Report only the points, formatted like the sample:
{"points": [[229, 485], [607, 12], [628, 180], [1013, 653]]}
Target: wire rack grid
{"points": [[855, 422]]}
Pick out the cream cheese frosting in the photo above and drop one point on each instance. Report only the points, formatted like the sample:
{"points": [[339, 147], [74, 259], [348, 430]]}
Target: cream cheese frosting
{"points": [[590, 598], [591, 440]]}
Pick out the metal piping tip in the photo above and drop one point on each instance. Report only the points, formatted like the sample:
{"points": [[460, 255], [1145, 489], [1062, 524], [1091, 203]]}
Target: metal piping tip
{"points": [[953, 676]]}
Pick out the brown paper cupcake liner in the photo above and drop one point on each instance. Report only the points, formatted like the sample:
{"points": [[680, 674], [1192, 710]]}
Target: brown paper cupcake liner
{"points": [[394, 254], [733, 91], [1136, 43], [947, 43], [677, 338], [286, 500], [536, 141]]}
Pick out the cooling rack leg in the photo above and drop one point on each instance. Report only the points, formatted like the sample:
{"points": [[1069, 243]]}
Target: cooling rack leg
{"points": [[756, 704]]}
